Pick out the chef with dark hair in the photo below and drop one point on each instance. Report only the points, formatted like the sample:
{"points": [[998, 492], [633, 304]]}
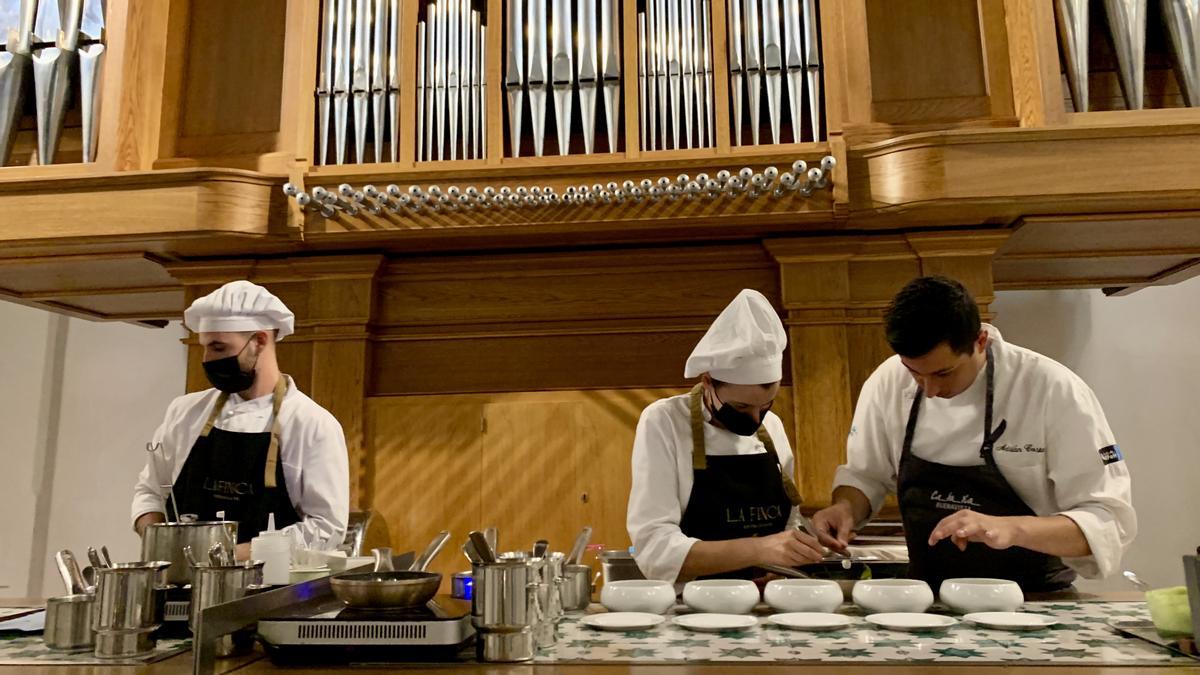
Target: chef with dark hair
{"points": [[1001, 459]]}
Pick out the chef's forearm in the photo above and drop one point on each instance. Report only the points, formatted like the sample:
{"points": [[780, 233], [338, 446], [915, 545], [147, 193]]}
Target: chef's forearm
{"points": [[714, 557], [147, 519], [859, 504], [1053, 535]]}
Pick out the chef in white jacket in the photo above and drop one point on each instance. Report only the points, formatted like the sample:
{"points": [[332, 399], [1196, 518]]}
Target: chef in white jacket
{"points": [[1001, 458], [712, 491], [253, 445]]}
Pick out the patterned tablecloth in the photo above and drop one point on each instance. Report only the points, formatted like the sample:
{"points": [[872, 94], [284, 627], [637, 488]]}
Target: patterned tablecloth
{"points": [[1082, 638], [31, 651]]}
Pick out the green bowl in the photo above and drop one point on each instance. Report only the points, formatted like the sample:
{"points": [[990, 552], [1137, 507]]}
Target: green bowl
{"points": [[1170, 611]]}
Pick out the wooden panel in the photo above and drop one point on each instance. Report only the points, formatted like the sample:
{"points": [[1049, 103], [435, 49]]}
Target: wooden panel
{"points": [[126, 306], [1082, 272], [533, 458], [65, 274], [553, 321], [519, 461], [927, 60], [233, 78], [925, 49], [1033, 56], [530, 363], [1111, 234], [427, 472]]}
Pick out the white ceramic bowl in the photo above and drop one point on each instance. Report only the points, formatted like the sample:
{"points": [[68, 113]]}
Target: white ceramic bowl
{"points": [[640, 595], [721, 596], [970, 595], [892, 595], [803, 595]]}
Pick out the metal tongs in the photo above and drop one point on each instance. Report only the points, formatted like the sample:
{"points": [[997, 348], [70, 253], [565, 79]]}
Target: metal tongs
{"points": [[153, 448]]}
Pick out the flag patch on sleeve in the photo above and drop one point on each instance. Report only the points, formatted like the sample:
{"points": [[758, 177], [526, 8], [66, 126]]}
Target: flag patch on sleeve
{"points": [[1111, 454]]}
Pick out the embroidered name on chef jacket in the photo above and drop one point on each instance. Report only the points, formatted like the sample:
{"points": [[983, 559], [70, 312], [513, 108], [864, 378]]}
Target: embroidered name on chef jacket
{"points": [[227, 489], [1028, 447], [950, 502], [1110, 454], [753, 516]]}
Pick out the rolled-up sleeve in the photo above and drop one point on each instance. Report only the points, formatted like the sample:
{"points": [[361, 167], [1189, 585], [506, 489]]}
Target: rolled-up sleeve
{"points": [[870, 458], [324, 478], [654, 511], [1091, 480]]}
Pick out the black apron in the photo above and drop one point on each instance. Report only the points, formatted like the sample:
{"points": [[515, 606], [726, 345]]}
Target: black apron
{"points": [[735, 496], [238, 473], [928, 492]]}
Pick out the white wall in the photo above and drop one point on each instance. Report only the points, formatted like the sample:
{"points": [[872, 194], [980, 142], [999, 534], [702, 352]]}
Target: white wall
{"points": [[82, 398], [1141, 355]]}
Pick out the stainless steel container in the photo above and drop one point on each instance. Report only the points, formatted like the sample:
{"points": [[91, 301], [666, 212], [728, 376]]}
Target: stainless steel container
{"points": [[128, 608], [548, 571], [127, 597], [215, 585], [505, 597], [461, 585], [69, 623], [124, 644], [165, 541], [619, 565], [576, 588], [508, 647]]}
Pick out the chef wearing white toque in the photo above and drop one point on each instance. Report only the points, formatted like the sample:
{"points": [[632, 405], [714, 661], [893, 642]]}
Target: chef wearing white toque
{"points": [[712, 490], [253, 445]]}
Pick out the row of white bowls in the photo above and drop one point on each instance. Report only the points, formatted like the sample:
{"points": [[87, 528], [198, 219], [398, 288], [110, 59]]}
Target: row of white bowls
{"points": [[739, 596]]}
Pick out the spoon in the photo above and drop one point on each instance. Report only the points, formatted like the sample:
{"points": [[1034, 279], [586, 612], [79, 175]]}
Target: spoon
{"points": [[107, 558], [471, 553], [580, 545], [1135, 580], [483, 547], [94, 557]]}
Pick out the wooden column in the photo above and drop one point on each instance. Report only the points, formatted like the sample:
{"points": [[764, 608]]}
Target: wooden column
{"points": [[835, 291], [333, 299]]}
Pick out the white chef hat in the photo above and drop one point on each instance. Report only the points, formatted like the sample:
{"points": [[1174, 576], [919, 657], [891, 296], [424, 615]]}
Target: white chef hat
{"points": [[744, 345], [240, 306]]}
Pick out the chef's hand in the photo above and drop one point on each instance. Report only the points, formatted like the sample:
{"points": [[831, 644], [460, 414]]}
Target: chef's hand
{"points": [[966, 526], [835, 526], [242, 551], [789, 548]]}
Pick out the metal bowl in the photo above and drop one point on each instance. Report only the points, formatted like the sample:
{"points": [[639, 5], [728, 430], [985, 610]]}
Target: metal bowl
{"points": [[381, 590]]}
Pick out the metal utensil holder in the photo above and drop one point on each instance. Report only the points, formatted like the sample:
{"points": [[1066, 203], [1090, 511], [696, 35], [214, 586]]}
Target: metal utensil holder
{"points": [[127, 610], [549, 579], [69, 623], [576, 588], [216, 585], [505, 608]]}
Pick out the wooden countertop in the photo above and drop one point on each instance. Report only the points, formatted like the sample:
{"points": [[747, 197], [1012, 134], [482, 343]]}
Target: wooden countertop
{"points": [[257, 663]]}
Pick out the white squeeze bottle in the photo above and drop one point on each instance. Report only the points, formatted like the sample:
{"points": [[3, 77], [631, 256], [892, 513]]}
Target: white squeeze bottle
{"points": [[275, 550]]}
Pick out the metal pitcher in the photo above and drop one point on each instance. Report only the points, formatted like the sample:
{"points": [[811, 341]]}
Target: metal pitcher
{"points": [[127, 608], [217, 584]]}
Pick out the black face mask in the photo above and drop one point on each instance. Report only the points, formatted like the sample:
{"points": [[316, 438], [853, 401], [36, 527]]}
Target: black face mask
{"points": [[227, 375], [740, 423]]}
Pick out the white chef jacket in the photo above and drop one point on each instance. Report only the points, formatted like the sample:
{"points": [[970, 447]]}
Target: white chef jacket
{"points": [[662, 479], [1057, 451], [312, 449]]}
